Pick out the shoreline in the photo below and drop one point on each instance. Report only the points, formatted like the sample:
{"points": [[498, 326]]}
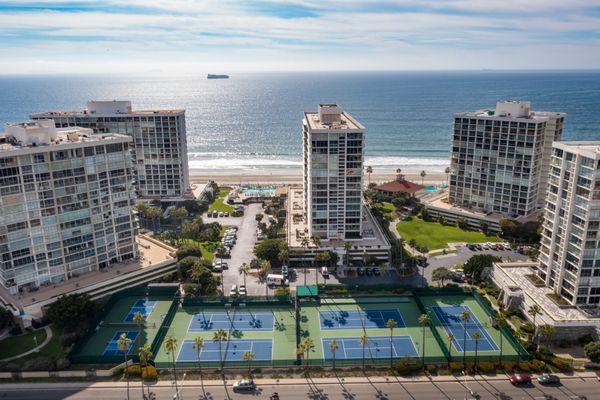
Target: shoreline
{"points": [[295, 177]]}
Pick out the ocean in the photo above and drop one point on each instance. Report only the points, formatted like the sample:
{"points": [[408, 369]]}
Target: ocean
{"points": [[251, 122]]}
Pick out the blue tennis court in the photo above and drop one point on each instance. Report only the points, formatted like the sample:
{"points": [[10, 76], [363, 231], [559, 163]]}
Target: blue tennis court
{"points": [[359, 319], [377, 347], [145, 307], [449, 317], [241, 321], [233, 350], [112, 348]]}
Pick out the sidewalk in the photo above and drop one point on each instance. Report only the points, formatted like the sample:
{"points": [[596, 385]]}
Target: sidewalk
{"points": [[294, 381]]}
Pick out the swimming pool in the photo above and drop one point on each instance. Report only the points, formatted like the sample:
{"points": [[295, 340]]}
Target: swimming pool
{"points": [[432, 189], [262, 192]]}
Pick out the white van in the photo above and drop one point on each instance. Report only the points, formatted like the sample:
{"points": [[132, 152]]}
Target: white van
{"points": [[276, 280]]}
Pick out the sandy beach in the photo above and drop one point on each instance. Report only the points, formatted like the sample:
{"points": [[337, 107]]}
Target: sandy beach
{"points": [[293, 177]]}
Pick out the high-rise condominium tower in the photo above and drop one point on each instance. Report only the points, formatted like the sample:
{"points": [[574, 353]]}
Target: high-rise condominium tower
{"points": [[570, 249], [66, 197], [332, 144], [501, 158], [159, 142]]}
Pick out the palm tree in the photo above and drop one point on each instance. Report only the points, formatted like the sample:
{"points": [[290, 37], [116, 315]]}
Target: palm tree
{"points": [[154, 213], [145, 354], [124, 343], [447, 171], [309, 345], [248, 357], [171, 348], [534, 311], [391, 324], [450, 338], [305, 243], [300, 352], [283, 256], [139, 319], [317, 243], [424, 321], [465, 317], [364, 340], [398, 173], [369, 171], [501, 321], [423, 174], [476, 336], [199, 346], [220, 336], [244, 270], [347, 247], [412, 243], [265, 267], [221, 252], [333, 346], [545, 333], [179, 213]]}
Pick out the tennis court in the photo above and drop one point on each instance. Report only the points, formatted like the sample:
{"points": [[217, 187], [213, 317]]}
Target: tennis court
{"points": [[450, 319], [143, 306], [376, 347], [359, 319], [232, 350], [112, 347], [236, 320]]}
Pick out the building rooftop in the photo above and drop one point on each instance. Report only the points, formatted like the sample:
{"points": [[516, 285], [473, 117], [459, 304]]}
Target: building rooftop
{"points": [[331, 117], [107, 108], [589, 146], [400, 186], [510, 109], [36, 134]]}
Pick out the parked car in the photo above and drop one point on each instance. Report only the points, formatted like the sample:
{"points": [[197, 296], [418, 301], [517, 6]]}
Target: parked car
{"points": [[546, 379], [478, 247], [242, 290], [220, 214], [368, 271], [226, 214], [376, 271], [244, 385], [325, 272], [360, 271], [277, 280], [285, 270], [520, 379], [233, 291]]}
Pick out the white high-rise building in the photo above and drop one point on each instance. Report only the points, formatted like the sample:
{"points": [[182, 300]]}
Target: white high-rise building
{"points": [[333, 143], [66, 199], [570, 247], [159, 143], [501, 158]]}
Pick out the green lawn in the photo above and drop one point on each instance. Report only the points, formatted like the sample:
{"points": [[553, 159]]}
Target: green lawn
{"points": [[388, 209], [15, 345], [219, 205], [437, 236], [51, 350], [206, 253]]}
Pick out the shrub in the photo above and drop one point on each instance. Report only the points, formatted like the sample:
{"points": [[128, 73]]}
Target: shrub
{"points": [[73, 311], [508, 365], [527, 327], [524, 366], [585, 339], [592, 351], [562, 364], [486, 367], [432, 368], [67, 339], [10, 367], [62, 363], [456, 366], [136, 370], [15, 330], [537, 365], [38, 364], [407, 366]]}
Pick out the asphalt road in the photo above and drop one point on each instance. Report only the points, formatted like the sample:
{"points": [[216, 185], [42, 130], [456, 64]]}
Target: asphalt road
{"points": [[575, 388]]}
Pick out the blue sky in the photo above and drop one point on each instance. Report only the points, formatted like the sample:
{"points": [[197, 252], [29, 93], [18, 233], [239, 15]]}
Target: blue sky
{"points": [[199, 36]]}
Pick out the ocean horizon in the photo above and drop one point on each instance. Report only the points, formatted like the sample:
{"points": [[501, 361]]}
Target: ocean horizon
{"points": [[252, 121]]}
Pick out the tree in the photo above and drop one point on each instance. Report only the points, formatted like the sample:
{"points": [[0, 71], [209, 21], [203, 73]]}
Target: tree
{"points": [[72, 312], [139, 319], [171, 349], [204, 278], [347, 247], [188, 250], [441, 274], [178, 213], [154, 214], [6, 319], [465, 317], [317, 243], [447, 171], [592, 351], [248, 357], [270, 250], [462, 224], [534, 311], [145, 354], [412, 243], [476, 336], [199, 346], [484, 226], [185, 265], [265, 267], [475, 266], [424, 321], [369, 172], [258, 217], [391, 324], [333, 346], [307, 345], [124, 343], [305, 243], [284, 255], [545, 333], [501, 321], [220, 336], [450, 338], [423, 174], [244, 270], [364, 340]]}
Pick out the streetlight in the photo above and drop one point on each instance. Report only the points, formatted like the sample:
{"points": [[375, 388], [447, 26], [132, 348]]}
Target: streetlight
{"points": [[178, 390], [468, 390]]}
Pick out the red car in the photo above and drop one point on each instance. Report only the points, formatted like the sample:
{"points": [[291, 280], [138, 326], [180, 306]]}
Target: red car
{"points": [[520, 379]]}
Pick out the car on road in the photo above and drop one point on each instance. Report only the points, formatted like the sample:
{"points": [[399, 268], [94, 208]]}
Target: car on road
{"points": [[376, 271], [546, 379], [520, 379], [244, 385]]}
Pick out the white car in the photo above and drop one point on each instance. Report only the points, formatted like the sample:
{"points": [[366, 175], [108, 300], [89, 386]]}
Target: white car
{"points": [[233, 291], [244, 385], [242, 290]]}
